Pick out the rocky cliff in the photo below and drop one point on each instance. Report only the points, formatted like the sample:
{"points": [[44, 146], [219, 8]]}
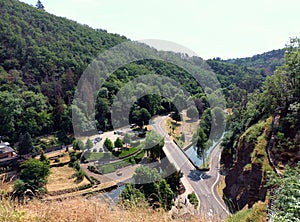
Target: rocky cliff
{"points": [[246, 179]]}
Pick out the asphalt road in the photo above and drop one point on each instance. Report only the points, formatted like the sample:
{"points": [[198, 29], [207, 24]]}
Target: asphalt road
{"points": [[203, 183]]}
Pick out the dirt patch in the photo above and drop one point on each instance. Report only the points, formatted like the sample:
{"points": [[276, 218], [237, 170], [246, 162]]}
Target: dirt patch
{"points": [[62, 178]]}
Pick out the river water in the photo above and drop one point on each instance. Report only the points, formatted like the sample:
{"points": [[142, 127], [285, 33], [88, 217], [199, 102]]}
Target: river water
{"points": [[192, 154]]}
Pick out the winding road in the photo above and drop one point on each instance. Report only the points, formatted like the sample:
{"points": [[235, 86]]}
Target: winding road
{"points": [[203, 183]]}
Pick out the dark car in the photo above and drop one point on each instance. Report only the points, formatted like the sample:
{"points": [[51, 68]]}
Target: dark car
{"points": [[98, 139]]}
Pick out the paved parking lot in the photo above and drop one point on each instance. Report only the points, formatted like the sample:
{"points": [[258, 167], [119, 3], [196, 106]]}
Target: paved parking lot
{"points": [[112, 135]]}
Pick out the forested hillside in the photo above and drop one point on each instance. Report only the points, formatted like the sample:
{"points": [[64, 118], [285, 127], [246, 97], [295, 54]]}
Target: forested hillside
{"points": [[41, 59], [266, 62], [264, 132], [42, 56]]}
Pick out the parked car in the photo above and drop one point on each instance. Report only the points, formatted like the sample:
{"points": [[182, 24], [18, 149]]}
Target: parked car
{"points": [[98, 139]]}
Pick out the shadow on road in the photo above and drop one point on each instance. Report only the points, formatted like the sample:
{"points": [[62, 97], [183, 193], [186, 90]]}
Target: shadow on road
{"points": [[197, 175]]}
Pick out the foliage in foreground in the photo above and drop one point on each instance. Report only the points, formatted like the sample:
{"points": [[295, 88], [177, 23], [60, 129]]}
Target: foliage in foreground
{"points": [[286, 196], [193, 199], [148, 186], [33, 177], [258, 213], [79, 210]]}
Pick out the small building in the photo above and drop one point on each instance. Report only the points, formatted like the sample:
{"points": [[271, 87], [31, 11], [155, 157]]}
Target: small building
{"points": [[6, 151]]}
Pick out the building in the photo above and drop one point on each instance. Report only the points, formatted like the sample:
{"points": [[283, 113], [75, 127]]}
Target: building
{"points": [[6, 151]]}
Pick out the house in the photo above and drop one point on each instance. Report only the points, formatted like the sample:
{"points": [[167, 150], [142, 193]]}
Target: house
{"points": [[6, 151]]}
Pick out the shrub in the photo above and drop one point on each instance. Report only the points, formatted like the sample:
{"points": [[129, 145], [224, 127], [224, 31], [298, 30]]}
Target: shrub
{"points": [[193, 199], [80, 174]]}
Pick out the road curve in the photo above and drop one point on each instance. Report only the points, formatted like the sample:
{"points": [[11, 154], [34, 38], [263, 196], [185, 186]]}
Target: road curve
{"points": [[203, 183]]}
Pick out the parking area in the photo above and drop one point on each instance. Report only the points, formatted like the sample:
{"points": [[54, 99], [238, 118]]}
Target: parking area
{"points": [[99, 139]]}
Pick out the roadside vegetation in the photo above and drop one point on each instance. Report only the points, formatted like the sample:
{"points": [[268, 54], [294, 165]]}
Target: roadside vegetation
{"points": [[193, 199], [150, 186]]}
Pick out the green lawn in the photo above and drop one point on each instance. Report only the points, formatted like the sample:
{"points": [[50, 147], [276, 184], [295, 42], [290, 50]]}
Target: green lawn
{"points": [[98, 156], [112, 167], [126, 152]]}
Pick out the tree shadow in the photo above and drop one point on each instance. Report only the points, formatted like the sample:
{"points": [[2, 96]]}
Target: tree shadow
{"points": [[197, 175]]}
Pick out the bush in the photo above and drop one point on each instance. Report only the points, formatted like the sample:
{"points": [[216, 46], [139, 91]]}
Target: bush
{"points": [[193, 199], [76, 165], [132, 160], [139, 157], [80, 174], [93, 169]]}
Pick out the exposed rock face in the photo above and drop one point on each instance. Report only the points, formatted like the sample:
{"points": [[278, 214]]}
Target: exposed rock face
{"points": [[245, 181]]}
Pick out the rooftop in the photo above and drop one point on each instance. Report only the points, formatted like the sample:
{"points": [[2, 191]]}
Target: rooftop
{"points": [[4, 148]]}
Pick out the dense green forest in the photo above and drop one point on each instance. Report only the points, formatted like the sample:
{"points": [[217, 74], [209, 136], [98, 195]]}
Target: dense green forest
{"points": [[266, 62], [41, 60], [43, 57]]}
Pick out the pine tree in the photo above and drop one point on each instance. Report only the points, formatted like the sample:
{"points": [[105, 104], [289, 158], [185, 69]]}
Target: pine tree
{"points": [[39, 5], [25, 144]]}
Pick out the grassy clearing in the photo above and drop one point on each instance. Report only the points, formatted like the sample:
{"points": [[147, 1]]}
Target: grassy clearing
{"points": [[62, 178], [99, 156], [61, 158], [259, 154], [189, 127]]}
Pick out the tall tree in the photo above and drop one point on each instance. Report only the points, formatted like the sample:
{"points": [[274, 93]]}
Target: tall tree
{"points": [[118, 143], [39, 5], [108, 144], [25, 144], [164, 194], [201, 143], [154, 144], [145, 177], [192, 113], [140, 116], [89, 144], [172, 176]]}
